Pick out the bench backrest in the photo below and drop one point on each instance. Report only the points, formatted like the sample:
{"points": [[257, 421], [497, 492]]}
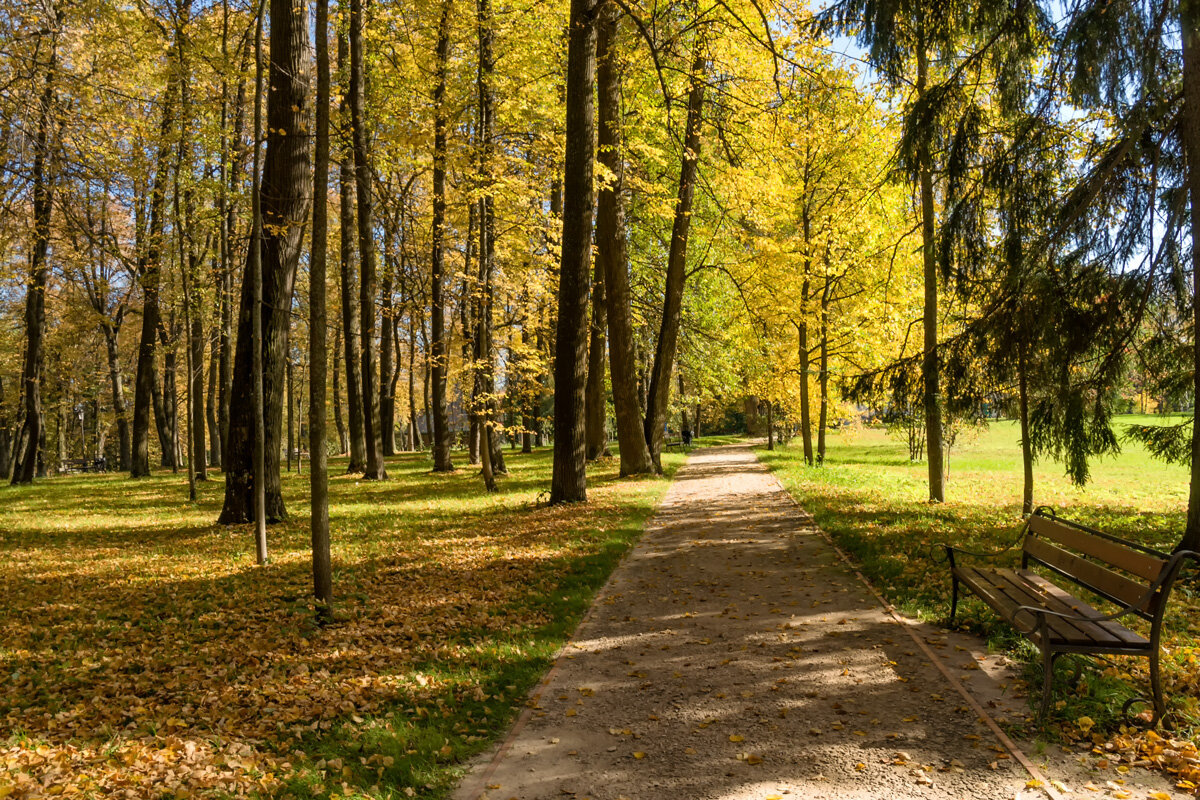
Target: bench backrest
{"points": [[1117, 570]]}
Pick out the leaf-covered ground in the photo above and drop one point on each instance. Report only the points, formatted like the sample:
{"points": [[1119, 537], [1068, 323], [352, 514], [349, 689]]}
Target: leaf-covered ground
{"points": [[870, 499], [143, 655]]}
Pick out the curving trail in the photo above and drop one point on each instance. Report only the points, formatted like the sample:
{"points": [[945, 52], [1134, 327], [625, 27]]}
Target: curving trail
{"points": [[733, 655]]}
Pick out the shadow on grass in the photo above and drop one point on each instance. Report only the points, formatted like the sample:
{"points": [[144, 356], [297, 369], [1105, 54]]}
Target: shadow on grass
{"points": [[895, 539], [134, 621]]}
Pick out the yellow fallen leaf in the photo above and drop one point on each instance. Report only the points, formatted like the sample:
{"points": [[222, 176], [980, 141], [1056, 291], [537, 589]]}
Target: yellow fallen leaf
{"points": [[733, 737], [860, 766], [1034, 783], [753, 759], [639, 754]]}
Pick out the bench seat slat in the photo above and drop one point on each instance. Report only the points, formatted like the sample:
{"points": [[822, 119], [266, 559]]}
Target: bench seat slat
{"points": [[1005, 590], [1143, 565], [1075, 605]]}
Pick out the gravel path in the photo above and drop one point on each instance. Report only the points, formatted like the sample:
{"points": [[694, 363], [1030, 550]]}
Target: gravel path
{"points": [[733, 655]]}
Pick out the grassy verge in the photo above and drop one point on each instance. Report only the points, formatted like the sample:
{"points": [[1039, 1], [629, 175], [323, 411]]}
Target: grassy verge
{"points": [[872, 501], [143, 652]]}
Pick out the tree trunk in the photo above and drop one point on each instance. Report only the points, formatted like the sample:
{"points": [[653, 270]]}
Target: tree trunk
{"points": [[210, 405], [1026, 441], [823, 375], [595, 400], [425, 385], [231, 176], [569, 477], [6, 437], [350, 316], [1189, 22], [317, 355], [611, 252], [414, 428], [387, 362], [929, 361], [487, 239], [610, 238], [283, 196], [117, 384], [35, 293], [338, 418], [438, 356], [167, 422], [664, 355], [372, 435], [149, 273], [291, 408], [802, 330], [770, 425], [802, 359]]}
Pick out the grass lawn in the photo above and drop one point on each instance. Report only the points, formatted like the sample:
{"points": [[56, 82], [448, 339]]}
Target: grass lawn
{"points": [[144, 655], [872, 501]]}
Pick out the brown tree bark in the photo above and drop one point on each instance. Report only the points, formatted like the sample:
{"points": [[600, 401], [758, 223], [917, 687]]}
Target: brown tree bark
{"points": [[387, 359], [26, 459], [349, 297], [284, 196], [823, 373], [438, 356], [569, 476], [1189, 24], [929, 360], [322, 569], [664, 355], [414, 429], [595, 400], [339, 419], [367, 287], [145, 386], [210, 400], [611, 251]]}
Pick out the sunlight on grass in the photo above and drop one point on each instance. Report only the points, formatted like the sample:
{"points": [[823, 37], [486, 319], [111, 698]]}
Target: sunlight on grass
{"points": [[144, 651], [873, 502]]}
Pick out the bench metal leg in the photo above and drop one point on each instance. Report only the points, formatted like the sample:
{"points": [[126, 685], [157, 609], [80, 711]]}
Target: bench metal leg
{"points": [[953, 597], [1048, 659], [1160, 707]]}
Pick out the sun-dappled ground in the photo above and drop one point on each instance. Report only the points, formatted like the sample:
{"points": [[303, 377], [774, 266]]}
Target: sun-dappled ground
{"points": [[143, 654], [871, 500]]}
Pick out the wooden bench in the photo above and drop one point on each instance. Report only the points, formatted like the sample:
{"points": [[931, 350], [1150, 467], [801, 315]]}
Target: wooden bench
{"points": [[1135, 578], [82, 465], [674, 445]]}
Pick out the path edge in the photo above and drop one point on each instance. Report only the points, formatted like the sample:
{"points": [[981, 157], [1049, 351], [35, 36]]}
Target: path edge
{"points": [[474, 784]]}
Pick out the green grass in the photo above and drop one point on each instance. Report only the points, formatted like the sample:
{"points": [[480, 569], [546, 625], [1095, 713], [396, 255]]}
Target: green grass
{"points": [[873, 502], [141, 644]]}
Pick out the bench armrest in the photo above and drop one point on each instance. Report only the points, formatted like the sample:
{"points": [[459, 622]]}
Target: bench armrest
{"points": [[951, 550]]}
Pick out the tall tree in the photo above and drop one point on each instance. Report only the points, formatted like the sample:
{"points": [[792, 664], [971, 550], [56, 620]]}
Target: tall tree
{"points": [[284, 196], [318, 467], [611, 249], [568, 481], [149, 274], [668, 335], [612, 256], [363, 179], [437, 310], [42, 181]]}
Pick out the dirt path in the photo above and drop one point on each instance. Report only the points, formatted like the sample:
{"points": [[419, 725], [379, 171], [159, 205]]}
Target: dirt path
{"points": [[732, 655]]}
